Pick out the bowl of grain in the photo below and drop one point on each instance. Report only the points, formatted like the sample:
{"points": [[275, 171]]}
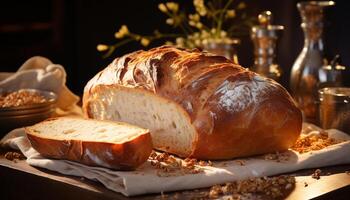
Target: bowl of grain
{"points": [[25, 107]]}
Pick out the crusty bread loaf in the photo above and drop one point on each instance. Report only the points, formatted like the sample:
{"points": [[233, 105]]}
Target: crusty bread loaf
{"points": [[195, 104], [92, 142]]}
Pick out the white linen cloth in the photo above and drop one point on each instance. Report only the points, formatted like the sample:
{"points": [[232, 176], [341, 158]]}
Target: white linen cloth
{"points": [[145, 180], [40, 73]]}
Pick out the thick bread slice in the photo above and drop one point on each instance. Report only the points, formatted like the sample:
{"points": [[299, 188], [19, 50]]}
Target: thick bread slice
{"points": [[92, 142]]}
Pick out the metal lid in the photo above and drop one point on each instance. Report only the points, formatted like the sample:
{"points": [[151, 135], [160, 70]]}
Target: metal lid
{"points": [[335, 94], [334, 65], [315, 3], [312, 12]]}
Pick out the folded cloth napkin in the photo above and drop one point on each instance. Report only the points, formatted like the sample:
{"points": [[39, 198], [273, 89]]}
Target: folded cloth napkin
{"points": [[40, 73], [146, 178]]}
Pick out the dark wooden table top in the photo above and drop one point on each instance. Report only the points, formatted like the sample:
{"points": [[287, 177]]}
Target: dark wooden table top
{"points": [[21, 181]]}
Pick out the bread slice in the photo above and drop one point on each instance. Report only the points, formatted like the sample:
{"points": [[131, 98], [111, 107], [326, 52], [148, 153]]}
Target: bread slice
{"points": [[108, 144]]}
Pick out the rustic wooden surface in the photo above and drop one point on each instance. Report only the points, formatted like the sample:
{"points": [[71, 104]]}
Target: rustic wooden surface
{"points": [[19, 181]]}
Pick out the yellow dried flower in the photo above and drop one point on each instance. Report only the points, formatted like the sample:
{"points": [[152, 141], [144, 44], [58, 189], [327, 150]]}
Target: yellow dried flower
{"points": [[194, 17], [205, 34], [162, 7], [205, 42], [196, 35], [241, 5], [197, 42], [169, 43], [170, 21], [192, 23], [200, 7], [123, 31], [223, 33], [199, 25], [102, 47], [172, 6], [180, 41], [145, 42], [230, 13], [118, 35]]}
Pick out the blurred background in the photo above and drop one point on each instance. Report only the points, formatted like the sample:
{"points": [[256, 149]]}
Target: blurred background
{"points": [[68, 31]]}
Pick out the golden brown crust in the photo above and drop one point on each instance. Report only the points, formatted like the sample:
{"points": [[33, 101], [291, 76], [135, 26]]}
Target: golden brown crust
{"points": [[235, 111], [125, 156]]}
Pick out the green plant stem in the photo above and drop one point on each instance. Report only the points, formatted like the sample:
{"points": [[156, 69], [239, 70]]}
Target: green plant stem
{"points": [[133, 37], [213, 14], [243, 27], [205, 27], [182, 27], [221, 18], [166, 35], [190, 29], [119, 44]]}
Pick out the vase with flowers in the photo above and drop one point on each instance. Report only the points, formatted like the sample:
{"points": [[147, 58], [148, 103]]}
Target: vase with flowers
{"points": [[214, 26]]}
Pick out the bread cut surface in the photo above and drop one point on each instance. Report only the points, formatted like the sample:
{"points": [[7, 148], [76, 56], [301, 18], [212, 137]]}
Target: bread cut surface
{"points": [[86, 130], [171, 129], [195, 104], [92, 142]]}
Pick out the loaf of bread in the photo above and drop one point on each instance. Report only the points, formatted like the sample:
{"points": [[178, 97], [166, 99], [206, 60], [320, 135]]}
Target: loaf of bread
{"points": [[113, 145], [195, 104]]}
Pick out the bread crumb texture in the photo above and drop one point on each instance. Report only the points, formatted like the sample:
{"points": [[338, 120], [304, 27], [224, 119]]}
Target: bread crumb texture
{"points": [[264, 187], [314, 141]]}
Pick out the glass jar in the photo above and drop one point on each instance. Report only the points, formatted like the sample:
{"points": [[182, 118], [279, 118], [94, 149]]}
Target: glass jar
{"points": [[334, 110]]}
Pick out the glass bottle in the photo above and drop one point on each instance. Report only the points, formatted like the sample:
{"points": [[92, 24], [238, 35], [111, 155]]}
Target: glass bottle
{"points": [[264, 37], [305, 80]]}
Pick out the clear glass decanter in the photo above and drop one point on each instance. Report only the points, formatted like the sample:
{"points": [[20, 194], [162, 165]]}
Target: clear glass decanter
{"points": [[305, 75]]}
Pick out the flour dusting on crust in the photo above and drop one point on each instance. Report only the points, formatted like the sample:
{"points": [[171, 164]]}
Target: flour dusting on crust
{"points": [[235, 96]]}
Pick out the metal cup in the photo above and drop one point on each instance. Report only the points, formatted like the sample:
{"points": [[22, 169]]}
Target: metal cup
{"points": [[334, 108]]}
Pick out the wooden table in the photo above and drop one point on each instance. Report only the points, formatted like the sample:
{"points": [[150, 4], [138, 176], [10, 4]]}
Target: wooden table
{"points": [[21, 181]]}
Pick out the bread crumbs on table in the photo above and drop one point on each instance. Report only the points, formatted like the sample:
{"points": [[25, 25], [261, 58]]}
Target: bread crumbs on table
{"points": [[313, 142], [317, 174], [273, 187], [13, 156]]}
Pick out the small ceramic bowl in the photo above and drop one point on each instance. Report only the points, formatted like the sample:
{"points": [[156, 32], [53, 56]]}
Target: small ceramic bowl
{"points": [[20, 116]]}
